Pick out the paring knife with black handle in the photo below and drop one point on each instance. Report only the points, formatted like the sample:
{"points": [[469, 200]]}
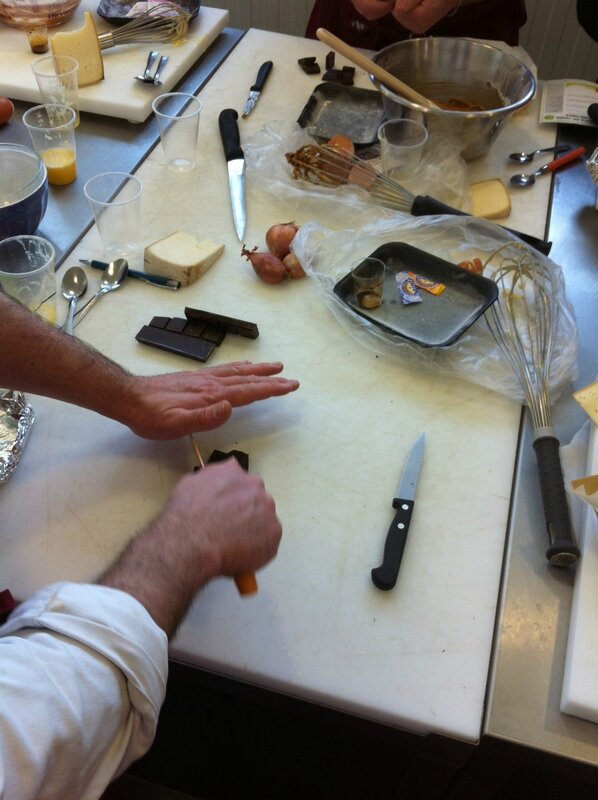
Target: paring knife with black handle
{"points": [[235, 158], [256, 89], [385, 576]]}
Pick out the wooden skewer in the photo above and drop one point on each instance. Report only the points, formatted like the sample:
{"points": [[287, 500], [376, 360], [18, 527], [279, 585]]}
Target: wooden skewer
{"points": [[246, 582], [389, 80]]}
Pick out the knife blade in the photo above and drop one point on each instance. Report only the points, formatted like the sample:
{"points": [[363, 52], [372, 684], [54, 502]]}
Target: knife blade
{"points": [[229, 133], [256, 89], [385, 576]]}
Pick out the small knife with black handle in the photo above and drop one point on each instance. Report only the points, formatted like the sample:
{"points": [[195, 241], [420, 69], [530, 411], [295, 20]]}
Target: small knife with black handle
{"points": [[385, 576], [256, 89], [235, 160]]}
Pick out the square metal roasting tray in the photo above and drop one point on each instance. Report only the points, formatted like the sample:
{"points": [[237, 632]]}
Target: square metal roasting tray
{"points": [[439, 320]]}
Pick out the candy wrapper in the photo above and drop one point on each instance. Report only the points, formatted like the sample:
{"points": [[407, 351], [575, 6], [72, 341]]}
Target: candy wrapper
{"points": [[16, 419]]}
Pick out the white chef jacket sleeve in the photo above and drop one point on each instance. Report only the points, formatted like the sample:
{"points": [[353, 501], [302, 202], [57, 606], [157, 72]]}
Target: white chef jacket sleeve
{"points": [[83, 673]]}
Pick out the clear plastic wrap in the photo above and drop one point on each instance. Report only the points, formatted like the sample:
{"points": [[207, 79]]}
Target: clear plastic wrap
{"points": [[356, 226], [326, 255]]}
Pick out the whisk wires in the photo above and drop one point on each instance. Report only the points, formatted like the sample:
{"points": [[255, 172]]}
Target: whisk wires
{"points": [[324, 165], [165, 22], [523, 321]]}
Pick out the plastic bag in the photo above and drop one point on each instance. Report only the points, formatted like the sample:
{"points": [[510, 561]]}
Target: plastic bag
{"points": [[441, 173], [352, 225], [475, 356]]}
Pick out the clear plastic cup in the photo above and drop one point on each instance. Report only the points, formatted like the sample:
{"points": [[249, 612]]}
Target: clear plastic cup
{"points": [[52, 131], [178, 119], [27, 273], [56, 77], [402, 143], [115, 200]]}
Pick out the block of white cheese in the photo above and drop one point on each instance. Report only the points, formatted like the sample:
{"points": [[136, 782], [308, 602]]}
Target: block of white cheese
{"points": [[490, 199], [588, 400], [181, 257], [83, 45]]}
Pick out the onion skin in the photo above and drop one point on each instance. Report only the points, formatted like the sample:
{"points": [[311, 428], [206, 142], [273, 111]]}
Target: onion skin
{"points": [[293, 265], [266, 265], [279, 238]]}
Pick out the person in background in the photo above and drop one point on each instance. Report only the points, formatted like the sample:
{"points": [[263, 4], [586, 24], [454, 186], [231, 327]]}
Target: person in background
{"points": [[587, 16], [84, 665], [374, 24]]}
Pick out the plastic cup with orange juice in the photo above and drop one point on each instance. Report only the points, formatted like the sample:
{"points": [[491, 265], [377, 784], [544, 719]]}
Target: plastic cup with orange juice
{"points": [[52, 130], [27, 273]]}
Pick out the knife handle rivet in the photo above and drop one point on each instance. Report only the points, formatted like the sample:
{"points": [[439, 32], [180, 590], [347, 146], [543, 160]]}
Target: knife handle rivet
{"points": [[401, 525], [404, 506]]}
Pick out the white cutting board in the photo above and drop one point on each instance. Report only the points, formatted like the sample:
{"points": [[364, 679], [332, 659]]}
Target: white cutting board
{"points": [[580, 682], [119, 94]]}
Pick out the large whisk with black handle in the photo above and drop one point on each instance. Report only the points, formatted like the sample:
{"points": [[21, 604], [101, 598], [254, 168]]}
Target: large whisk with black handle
{"points": [[524, 320], [324, 165]]}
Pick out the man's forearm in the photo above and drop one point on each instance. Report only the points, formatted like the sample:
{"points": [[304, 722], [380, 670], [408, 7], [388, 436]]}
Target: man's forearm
{"points": [[43, 360]]}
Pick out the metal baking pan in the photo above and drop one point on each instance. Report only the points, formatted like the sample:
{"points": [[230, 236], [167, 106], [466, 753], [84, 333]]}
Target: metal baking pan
{"points": [[439, 320], [116, 12], [348, 110]]}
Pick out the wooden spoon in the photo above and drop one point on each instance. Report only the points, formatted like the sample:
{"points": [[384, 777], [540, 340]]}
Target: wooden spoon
{"points": [[390, 81]]}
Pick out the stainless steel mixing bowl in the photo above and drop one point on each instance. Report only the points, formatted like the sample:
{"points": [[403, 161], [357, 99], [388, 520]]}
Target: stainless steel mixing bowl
{"points": [[443, 69]]}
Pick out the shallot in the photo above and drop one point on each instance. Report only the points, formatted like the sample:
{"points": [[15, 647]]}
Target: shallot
{"points": [[279, 238], [267, 266], [293, 265]]}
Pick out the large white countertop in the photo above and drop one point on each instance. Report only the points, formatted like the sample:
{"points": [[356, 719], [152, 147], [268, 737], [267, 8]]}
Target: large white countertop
{"points": [[331, 454]]}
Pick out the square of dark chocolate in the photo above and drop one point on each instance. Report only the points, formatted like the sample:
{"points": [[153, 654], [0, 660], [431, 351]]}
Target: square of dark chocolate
{"points": [[176, 325], [159, 322]]}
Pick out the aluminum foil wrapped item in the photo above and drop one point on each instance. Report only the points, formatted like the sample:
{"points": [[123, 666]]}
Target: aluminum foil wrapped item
{"points": [[16, 419], [592, 167]]}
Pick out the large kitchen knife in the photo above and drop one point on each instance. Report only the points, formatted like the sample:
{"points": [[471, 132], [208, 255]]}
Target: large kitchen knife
{"points": [[256, 89], [385, 576], [229, 133]]}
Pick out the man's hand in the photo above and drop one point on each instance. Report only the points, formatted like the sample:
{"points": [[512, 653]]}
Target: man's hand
{"points": [[373, 9], [419, 15], [176, 404], [219, 521]]}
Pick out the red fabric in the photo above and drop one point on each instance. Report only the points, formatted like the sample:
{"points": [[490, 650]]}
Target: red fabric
{"points": [[489, 19], [7, 604]]}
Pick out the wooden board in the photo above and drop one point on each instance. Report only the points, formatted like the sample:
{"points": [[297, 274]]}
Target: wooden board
{"points": [[119, 94]]}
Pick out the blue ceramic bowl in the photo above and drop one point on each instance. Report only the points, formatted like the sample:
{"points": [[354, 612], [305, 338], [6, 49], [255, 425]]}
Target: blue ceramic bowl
{"points": [[23, 190]]}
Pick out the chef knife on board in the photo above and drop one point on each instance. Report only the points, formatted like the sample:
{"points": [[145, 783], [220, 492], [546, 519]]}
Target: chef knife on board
{"points": [[385, 576], [256, 89], [235, 158]]}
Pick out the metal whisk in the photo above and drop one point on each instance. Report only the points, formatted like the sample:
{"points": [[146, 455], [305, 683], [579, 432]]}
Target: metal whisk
{"points": [[165, 22], [523, 321], [324, 165]]}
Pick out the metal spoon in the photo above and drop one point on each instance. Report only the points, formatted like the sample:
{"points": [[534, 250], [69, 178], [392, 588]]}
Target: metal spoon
{"points": [[161, 64], [529, 180], [523, 158], [112, 277], [147, 73], [73, 286]]}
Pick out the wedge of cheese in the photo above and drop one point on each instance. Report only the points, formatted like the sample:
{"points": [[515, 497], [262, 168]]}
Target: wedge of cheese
{"points": [[588, 400], [84, 46], [181, 257], [490, 199]]}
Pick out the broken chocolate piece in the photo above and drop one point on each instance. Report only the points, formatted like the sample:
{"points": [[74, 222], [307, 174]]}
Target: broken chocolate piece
{"points": [[242, 458], [332, 75], [230, 324], [330, 59], [309, 65], [174, 342]]}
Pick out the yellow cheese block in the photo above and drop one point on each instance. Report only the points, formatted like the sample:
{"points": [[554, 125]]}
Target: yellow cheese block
{"points": [[490, 199], [588, 400], [83, 45], [181, 257]]}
